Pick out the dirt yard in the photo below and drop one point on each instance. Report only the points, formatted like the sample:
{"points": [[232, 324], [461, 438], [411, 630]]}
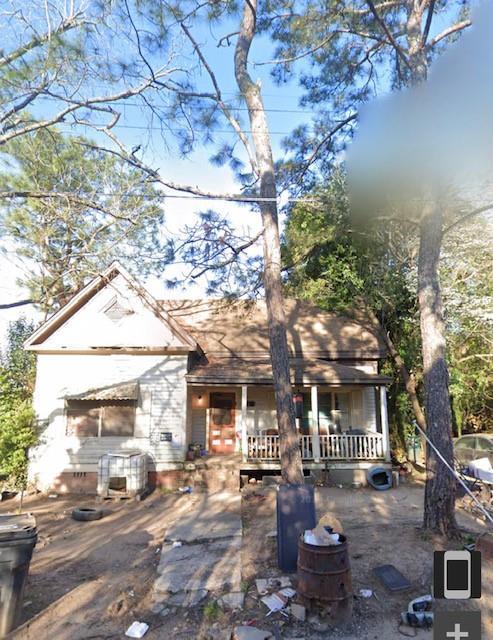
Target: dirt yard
{"points": [[90, 580]]}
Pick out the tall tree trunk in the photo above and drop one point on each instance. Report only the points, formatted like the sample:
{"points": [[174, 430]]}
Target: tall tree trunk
{"points": [[439, 503], [291, 464], [439, 515]]}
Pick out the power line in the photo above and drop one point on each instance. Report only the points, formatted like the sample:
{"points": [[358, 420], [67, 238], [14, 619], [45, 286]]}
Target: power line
{"points": [[172, 196], [204, 107]]}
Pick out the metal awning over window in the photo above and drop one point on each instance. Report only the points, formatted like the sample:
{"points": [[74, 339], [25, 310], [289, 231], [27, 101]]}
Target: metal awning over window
{"points": [[126, 391]]}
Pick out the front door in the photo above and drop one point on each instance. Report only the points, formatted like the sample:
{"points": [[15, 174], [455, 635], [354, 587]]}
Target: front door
{"points": [[222, 423]]}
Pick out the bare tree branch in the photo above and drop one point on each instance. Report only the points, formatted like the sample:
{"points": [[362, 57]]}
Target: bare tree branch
{"points": [[325, 140], [387, 32], [222, 105], [66, 195], [67, 24], [429, 19], [236, 251], [471, 214], [449, 31], [95, 102], [19, 303]]}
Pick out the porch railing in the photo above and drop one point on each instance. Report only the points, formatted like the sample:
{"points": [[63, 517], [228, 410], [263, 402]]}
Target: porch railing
{"points": [[333, 447]]}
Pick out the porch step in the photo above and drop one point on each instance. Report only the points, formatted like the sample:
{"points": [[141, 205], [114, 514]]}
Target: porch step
{"points": [[215, 479]]}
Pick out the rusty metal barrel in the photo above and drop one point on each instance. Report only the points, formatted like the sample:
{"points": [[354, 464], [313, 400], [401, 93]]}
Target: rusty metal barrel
{"points": [[324, 575]]}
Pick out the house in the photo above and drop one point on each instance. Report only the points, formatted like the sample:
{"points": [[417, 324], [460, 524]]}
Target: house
{"points": [[118, 370]]}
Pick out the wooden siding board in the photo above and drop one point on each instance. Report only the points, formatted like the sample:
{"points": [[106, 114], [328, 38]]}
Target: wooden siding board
{"points": [[161, 408]]}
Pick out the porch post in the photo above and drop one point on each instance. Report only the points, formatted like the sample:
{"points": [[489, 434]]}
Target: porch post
{"points": [[244, 434], [385, 423], [315, 433]]}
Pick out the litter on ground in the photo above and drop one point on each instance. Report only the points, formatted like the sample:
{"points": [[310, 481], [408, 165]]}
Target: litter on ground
{"points": [[137, 630], [185, 489], [275, 602], [391, 578]]}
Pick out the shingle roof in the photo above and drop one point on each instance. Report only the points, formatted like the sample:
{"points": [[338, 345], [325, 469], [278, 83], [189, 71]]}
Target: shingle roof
{"points": [[238, 371], [239, 329]]}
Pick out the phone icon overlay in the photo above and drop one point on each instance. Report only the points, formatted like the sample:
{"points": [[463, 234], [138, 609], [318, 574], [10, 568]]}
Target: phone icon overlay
{"points": [[457, 574]]}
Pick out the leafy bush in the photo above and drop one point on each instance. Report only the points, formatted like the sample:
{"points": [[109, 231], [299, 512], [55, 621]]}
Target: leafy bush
{"points": [[17, 420]]}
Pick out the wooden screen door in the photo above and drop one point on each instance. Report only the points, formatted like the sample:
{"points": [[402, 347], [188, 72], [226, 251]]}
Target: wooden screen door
{"points": [[222, 423]]}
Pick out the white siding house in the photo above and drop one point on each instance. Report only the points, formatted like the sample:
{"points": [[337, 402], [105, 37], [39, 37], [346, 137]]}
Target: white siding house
{"points": [[119, 371]]}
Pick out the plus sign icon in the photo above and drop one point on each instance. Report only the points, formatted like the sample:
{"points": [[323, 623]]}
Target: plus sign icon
{"points": [[457, 625]]}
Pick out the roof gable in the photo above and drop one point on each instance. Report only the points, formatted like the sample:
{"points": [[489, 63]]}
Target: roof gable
{"points": [[112, 312]]}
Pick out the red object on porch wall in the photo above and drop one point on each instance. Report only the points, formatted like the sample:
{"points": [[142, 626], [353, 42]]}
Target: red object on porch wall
{"points": [[298, 405]]}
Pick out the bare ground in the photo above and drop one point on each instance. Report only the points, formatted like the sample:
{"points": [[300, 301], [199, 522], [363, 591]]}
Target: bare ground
{"points": [[91, 580]]}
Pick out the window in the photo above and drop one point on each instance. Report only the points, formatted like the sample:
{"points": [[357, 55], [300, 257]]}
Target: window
{"points": [[484, 444], [342, 410], [333, 412], [325, 418], [100, 418], [465, 443]]}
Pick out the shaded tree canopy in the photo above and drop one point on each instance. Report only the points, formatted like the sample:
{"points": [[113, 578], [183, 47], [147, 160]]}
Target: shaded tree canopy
{"points": [[110, 212]]}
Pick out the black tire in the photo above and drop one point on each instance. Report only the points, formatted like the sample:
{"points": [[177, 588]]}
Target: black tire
{"points": [[86, 514]]}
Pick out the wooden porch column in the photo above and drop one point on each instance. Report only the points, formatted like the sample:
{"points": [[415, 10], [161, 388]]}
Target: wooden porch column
{"points": [[385, 423], [315, 433], [244, 433]]}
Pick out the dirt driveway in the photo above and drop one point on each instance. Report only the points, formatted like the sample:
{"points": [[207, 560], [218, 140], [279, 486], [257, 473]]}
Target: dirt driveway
{"points": [[382, 528], [91, 580], [87, 578]]}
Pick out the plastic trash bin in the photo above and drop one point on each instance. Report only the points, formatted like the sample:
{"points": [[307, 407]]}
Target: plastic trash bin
{"points": [[295, 512], [18, 537]]}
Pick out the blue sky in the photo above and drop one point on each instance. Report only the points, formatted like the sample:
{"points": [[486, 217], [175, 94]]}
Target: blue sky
{"points": [[284, 113]]}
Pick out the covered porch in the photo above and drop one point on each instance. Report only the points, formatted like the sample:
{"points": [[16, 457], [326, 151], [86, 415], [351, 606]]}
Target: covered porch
{"points": [[342, 419]]}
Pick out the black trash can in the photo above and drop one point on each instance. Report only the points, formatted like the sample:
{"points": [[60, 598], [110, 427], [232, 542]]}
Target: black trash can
{"points": [[18, 537], [295, 513]]}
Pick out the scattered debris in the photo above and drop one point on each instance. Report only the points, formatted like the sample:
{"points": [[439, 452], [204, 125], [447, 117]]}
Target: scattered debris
{"points": [[298, 611], [277, 601], [274, 602], [365, 593], [284, 581], [250, 633], [216, 633], [392, 578], [157, 607], [262, 586], [137, 630], [87, 514], [233, 600], [419, 612]]}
